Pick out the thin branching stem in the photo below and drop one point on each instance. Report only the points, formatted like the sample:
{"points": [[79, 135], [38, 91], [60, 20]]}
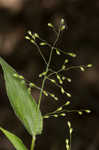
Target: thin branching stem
{"points": [[66, 69], [63, 111], [47, 68], [48, 44], [57, 85], [41, 53]]}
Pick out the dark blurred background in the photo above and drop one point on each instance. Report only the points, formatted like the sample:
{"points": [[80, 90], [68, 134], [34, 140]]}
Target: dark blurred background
{"points": [[82, 37]]}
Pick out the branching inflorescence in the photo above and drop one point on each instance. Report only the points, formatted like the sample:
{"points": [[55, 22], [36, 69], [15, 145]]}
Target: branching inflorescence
{"points": [[19, 89], [56, 77]]}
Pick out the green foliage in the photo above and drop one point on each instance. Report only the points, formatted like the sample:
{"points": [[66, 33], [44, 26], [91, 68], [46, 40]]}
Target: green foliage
{"points": [[22, 102], [24, 105], [16, 141]]}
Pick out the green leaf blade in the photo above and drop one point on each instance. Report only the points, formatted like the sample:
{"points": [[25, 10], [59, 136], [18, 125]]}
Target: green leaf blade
{"points": [[16, 141], [22, 102]]}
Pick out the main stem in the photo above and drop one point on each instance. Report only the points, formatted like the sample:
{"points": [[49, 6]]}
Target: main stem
{"points": [[33, 143], [47, 68]]}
